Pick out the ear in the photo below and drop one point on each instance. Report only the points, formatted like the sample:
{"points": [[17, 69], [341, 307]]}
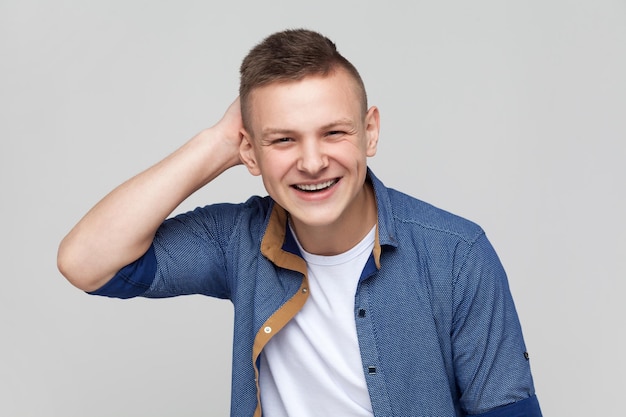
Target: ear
{"points": [[247, 153], [372, 130]]}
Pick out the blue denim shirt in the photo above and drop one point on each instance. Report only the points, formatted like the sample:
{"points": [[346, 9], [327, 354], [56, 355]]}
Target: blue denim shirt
{"points": [[436, 324]]}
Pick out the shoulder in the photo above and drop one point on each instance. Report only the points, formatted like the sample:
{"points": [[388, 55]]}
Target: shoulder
{"points": [[222, 219], [414, 213], [255, 207], [401, 214]]}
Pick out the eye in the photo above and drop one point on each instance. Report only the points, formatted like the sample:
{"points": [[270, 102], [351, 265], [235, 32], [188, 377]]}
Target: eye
{"points": [[335, 133], [282, 140]]}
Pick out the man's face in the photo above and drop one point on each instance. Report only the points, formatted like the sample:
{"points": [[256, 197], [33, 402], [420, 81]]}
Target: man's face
{"points": [[309, 140]]}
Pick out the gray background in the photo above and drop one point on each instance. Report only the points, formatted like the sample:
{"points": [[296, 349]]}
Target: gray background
{"points": [[509, 113]]}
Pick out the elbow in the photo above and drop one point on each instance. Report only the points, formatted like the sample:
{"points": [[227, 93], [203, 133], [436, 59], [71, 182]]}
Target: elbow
{"points": [[73, 267]]}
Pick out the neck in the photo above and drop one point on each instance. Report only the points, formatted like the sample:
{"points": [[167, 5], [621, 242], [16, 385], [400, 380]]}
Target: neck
{"points": [[343, 234]]}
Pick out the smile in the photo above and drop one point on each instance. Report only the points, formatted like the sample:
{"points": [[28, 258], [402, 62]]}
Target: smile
{"points": [[316, 187]]}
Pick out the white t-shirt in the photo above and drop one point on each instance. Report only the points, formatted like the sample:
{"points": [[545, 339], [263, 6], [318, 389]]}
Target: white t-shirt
{"points": [[312, 367]]}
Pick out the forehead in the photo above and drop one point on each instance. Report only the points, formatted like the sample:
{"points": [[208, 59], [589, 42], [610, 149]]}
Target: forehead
{"points": [[312, 101]]}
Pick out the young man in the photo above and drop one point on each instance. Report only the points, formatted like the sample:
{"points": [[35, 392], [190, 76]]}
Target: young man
{"points": [[350, 298]]}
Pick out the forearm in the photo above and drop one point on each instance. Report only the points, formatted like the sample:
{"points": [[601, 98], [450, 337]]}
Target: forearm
{"points": [[120, 228]]}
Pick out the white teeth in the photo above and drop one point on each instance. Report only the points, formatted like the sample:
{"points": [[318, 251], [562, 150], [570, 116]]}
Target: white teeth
{"points": [[315, 187]]}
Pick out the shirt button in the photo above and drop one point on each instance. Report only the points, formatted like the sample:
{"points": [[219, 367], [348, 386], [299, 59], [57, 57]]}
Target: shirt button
{"points": [[304, 290], [268, 329]]}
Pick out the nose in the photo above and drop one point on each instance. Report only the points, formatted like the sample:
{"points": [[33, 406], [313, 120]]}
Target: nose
{"points": [[313, 158]]}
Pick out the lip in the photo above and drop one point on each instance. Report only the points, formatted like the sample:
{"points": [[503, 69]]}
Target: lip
{"points": [[316, 186], [309, 192]]}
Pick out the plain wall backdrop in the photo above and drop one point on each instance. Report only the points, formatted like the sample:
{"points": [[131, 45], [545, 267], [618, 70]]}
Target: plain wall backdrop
{"points": [[509, 113]]}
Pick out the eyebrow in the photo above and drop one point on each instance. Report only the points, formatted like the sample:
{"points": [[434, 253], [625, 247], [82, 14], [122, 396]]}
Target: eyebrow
{"points": [[340, 122], [273, 131]]}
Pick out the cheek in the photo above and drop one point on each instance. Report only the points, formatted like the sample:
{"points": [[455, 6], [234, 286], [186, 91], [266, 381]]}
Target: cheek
{"points": [[352, 152], [273, 165]]}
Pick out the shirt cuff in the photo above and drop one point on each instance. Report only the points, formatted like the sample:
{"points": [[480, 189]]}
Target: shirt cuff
{"points": [[528, 407], [132, 280]]}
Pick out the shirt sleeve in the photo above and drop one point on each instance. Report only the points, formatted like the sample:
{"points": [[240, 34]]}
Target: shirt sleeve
{"points": [[491, 362], [188, 256], [131, 281]]}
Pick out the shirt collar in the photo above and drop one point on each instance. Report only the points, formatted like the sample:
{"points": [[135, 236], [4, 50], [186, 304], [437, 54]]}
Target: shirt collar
{"points": [[279, 246]]}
